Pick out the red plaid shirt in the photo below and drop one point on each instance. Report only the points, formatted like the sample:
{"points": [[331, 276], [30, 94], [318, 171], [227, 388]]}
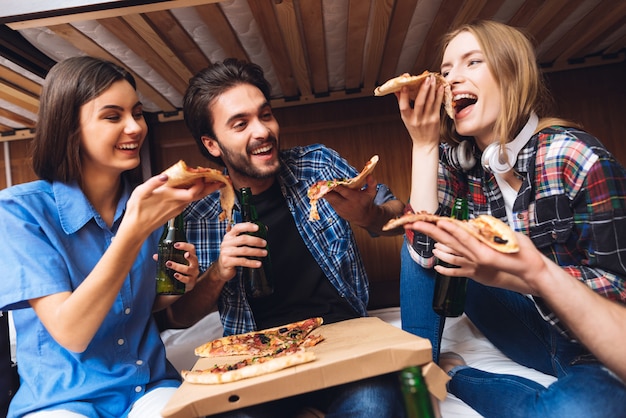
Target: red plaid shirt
{"points": [[572, 204]]}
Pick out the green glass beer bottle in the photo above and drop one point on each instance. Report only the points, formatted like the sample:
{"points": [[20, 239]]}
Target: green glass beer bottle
{"points": [[166, 283], [258, 281], [449, 296], [417, 400]]}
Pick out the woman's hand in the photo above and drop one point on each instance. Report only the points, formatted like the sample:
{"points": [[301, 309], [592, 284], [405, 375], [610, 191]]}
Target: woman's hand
{"points": [[422, 117], [482, 263], [186, 273], [153, 203], [422, 120]]}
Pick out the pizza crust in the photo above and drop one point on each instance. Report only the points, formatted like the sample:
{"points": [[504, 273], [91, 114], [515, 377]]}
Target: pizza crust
{"points": [[180, 175], [258, 367], [414, 83], [411, 217], [359, 181]]}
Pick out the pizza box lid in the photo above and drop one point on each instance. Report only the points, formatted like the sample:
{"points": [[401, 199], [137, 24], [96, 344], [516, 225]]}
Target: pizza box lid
{"points": [[352, 350]]}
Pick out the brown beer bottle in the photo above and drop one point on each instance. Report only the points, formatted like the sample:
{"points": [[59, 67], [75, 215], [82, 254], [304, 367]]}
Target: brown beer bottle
{"points": [[417, 400], [166, 283], [258, 281], [449, 296]]}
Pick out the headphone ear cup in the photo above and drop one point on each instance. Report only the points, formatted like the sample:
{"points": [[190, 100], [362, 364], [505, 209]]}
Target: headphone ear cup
{"points": [[495, 159], [500, 159], [465, 155]]}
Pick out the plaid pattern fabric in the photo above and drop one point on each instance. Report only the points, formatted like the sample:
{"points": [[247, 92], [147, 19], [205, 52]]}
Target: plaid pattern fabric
{"points": [[572, 204], [329, 239]]}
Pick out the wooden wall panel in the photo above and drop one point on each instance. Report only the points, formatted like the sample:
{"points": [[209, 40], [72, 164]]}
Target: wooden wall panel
{"points": [[21, 166], [171, 142], [596, 98]]}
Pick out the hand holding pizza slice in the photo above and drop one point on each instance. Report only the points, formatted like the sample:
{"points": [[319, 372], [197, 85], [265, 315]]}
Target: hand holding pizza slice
{"points": [[323, 187], [487, 229], [180, 175], [414, 83]]}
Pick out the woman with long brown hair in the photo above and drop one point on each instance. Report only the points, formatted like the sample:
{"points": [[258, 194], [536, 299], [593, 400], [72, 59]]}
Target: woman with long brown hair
{"points": [[79, 272]]}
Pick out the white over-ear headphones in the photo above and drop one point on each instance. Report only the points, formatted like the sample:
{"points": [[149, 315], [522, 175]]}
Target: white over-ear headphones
{"points": [[462, 156], [501, 159]]}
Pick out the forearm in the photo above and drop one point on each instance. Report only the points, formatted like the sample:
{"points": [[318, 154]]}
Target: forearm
{"points": [[598, 323], [381, 214], [424, 168], [507, 281], [74, 318]]}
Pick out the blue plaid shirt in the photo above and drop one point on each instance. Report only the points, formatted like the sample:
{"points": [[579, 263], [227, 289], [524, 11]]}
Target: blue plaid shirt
{"points": [[572, 204], [330, 239]]}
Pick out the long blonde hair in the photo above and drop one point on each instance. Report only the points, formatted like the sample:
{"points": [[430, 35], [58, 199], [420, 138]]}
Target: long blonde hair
{"points": [[510, 57]]}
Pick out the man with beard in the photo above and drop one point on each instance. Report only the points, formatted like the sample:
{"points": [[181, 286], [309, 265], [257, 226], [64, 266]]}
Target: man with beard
{"points": [[317, 268]]}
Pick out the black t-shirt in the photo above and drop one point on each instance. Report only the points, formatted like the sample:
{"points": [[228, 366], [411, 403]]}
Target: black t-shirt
{"points": [[301, 289], [9, 381]]}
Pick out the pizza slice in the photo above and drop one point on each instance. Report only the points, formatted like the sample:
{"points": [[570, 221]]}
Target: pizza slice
{"points": [[323, 187], [493, 232], [181, 175], [249, 367], [414, 82], [487, 229], [264, 342]]}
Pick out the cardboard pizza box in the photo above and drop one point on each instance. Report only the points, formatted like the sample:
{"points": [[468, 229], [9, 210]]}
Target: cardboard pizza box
{"points": [[352, 350]]}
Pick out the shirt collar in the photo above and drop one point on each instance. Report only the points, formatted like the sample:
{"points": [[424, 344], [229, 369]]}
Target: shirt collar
{"points": [[527, 155], [289, 178], [75, 210]]}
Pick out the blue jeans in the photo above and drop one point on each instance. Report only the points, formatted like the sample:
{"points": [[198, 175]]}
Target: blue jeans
{"points": [[511, 322], [376, 397], [417, 286]]}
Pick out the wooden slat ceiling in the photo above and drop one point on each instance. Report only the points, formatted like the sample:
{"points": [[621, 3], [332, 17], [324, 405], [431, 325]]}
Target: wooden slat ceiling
{"points": [[311, 50]]}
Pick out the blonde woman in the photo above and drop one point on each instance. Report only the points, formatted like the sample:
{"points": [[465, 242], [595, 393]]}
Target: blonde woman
{"points": [[547, 179]]}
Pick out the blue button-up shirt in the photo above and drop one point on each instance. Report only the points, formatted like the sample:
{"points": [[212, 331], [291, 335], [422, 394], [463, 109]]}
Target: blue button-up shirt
{"points": [[330, 239], [54, 238]]}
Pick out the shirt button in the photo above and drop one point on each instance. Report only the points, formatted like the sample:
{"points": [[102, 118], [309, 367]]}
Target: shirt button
{"points": [[120, 341], [127, 311], [139, 362], [138, 389]]}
